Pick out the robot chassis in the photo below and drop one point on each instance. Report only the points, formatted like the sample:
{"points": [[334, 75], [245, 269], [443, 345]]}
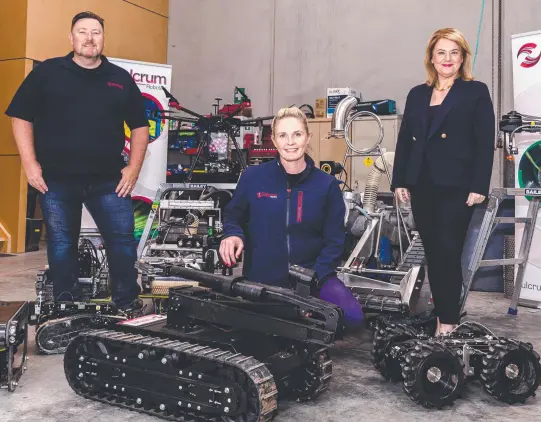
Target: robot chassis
{"points": [[187, 233], [392, 284], [433, 370], [13, 335], [93, 280], [58, 322], [183, 228], [228, 349]]}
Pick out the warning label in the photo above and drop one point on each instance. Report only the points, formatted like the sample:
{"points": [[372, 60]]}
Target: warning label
{"points": [[368, 161], [144, 320]]}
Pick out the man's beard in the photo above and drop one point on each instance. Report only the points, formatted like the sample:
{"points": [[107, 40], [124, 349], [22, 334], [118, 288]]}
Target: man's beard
{"points": [[89, 54]]}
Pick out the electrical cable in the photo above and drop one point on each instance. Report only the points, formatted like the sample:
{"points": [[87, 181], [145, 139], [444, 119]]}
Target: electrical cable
{"points": [[527, 154], [478, 33], [345, 185]]}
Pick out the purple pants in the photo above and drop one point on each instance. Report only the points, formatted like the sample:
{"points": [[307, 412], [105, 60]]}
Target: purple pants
{"points": [[334, 291]]}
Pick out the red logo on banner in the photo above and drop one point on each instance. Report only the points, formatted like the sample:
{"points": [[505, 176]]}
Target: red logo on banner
{"points": [[529, 60]]}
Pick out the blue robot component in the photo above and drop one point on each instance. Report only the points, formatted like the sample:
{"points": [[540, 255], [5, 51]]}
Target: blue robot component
{"points": [[187, 142]]}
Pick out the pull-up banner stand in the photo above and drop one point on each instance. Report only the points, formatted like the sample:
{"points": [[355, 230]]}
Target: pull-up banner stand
{"points": [[526, 51], [150, 78]]}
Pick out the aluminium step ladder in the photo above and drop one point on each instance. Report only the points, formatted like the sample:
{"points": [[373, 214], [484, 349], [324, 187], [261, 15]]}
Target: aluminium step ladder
{"points": [[489, 223]]}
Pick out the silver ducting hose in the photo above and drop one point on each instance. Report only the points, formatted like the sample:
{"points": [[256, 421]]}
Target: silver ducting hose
{"points": [[350, 121], [372, 182], [340, 115]]}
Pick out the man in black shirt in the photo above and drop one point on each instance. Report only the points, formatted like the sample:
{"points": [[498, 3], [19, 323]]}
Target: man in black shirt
{"points": [[68, 122]]}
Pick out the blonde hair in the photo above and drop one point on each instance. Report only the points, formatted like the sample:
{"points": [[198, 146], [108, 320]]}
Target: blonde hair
{"points": [[286, 112], [455, 35]]}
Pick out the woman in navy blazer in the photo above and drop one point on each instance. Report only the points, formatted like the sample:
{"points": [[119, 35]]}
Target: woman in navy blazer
{"points": [[443, 163]]}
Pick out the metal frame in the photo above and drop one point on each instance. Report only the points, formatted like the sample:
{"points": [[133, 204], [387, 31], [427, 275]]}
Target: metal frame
{"points": [[15, 373], [375, 150], [403, 293], [165, 188], [490, 221], [380, 296]]}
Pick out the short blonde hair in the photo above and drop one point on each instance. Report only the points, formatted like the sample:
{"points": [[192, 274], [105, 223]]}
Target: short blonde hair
{"points": [[284, 113], [455, 35]]}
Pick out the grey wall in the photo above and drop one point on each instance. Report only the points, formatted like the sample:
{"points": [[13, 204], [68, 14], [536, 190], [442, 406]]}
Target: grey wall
{"points": [[215, 45], [290, 51]]}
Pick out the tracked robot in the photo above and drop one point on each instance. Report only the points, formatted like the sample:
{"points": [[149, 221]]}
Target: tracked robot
{"points": [[58, 322], [93, 281], [227, 349], [183, 228], [385, 266]]}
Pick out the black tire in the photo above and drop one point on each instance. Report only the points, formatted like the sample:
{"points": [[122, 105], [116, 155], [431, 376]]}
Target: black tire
{"points": [[425, 322], [511, 371], [385, 359], [433, 374], [54, 336]]}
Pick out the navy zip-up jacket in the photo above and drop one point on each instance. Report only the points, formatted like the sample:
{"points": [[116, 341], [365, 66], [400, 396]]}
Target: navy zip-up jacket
{"points": [[281, 225]]}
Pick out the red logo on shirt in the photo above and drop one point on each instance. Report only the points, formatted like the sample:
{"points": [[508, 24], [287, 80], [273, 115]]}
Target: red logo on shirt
{"points": [[266, 195], [115, 85]]}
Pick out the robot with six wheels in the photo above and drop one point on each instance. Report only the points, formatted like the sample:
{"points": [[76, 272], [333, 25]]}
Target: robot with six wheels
{"points": [[434, 370]]}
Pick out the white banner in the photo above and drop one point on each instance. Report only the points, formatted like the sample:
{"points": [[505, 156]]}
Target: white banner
{"points": [[526, 51], [150, 77], [528, 174]]}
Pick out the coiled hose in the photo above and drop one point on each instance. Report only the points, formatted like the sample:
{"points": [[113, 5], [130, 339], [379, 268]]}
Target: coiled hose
{"points": [[371, 188]]}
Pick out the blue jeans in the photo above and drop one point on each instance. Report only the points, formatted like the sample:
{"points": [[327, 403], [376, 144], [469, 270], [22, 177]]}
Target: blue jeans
{"points": [[62, 208]]}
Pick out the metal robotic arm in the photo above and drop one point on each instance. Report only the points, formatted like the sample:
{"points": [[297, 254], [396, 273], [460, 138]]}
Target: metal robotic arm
{"points": [[515, 122], [287, 312]]}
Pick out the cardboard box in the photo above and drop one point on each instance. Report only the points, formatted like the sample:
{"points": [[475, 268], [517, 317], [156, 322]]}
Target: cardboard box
{"points": [[320, 111], [335, 95]]}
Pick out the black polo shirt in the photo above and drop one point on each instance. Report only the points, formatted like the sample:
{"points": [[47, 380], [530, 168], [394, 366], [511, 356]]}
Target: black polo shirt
{"points": [[78, 115]]}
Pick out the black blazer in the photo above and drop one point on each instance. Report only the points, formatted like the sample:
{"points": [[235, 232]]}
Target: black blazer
{"points": [[458, 146]]}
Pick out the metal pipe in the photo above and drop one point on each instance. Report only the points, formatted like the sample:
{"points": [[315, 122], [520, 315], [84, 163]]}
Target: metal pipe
{"points": [[374, 271], [340, 116]]}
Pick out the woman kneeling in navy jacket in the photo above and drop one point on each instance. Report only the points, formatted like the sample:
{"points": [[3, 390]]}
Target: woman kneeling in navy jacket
{"points": [[288, 212]]}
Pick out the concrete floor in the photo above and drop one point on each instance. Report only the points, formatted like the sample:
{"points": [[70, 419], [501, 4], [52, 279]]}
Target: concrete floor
{"points": [[357, 391]]}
